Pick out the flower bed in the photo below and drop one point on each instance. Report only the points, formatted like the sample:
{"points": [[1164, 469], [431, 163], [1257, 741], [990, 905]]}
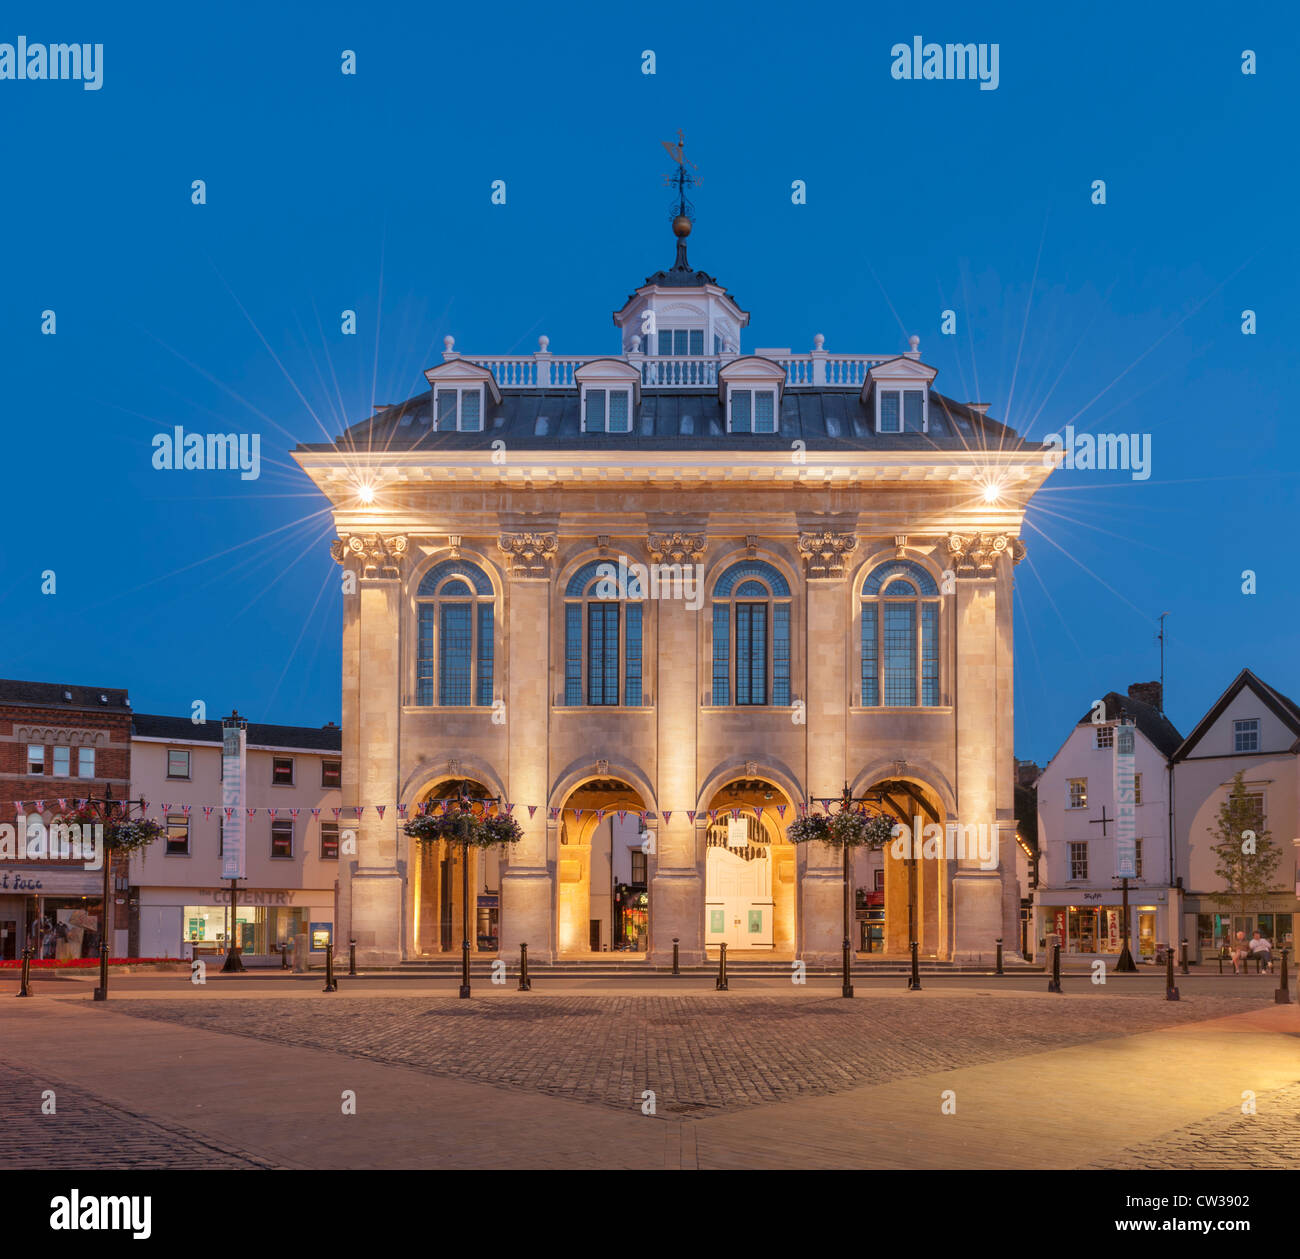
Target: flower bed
{"points": [[87, 963]]}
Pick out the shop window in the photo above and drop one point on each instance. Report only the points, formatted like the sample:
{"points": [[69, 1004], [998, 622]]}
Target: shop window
{"points": [[281, 839], [1079, 860], [282, 771], [178, 763], [331, 773], [329, 841], [35, 758], [63, 762], [1078, 793], [178, 835], [85, 762]]}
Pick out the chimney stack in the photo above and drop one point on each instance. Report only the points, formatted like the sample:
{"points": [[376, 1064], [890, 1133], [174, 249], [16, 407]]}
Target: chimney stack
{"points": [[1147, 693]]}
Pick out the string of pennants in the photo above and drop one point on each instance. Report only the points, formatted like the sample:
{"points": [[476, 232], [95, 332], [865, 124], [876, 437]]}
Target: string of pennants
{"points": [[430, 807]]}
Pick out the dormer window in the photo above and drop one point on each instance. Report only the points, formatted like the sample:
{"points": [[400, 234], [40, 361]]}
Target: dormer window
{"points": [[459, 409], [606, 410], [901, 411], [751, 410], [681, 342]]}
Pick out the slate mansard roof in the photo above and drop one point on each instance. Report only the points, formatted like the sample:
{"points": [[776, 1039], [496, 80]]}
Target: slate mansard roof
{"points": [[826, 419], [61, 695]]}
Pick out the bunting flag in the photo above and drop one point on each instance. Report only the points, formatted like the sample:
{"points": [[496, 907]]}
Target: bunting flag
{"points": [[293, 813], [379, 808], [713, 815], [600, 816], [401, 812], [532, 808], [40, 806], [780, 808], [207, 811], [690, 816], [360, 808], [735, 813], [166, 807], [668, 817], [63, 804], [555, 813], [250, 812], [185, 808], [579, 813], [336, 814], [18, 806], [315, 813], [759, 807], [273, 812], [228, 813], [509, 807], [622, 813], [803, 809]]}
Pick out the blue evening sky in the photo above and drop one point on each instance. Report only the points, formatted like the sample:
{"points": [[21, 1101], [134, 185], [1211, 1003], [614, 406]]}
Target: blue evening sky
{"points": [[371, 193]]}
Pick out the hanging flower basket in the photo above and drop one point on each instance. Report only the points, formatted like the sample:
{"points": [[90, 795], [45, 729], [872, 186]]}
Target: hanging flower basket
{"points": [[852, 829], [121, 834], [462, 825]]}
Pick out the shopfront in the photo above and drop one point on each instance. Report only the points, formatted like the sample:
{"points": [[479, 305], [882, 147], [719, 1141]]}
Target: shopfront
{"points": [[186, 922], [1217, 927], [57, 911], [1091, 924]]}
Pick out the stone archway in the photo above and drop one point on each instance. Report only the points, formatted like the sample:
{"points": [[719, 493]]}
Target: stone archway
{"points": [[603, 884], [438, 882], [750, 869]]}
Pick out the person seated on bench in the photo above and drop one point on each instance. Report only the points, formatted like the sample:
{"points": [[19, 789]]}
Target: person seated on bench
{"points": [[1262, 951]]}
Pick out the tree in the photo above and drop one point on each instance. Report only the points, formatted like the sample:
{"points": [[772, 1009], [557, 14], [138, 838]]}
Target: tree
{"points": [[1246, 857]]}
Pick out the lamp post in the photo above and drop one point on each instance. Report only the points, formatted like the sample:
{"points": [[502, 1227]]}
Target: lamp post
{"points": [[105, 807], [846, 980]]}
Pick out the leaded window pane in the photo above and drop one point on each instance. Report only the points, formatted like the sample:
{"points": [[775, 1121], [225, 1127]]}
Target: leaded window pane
{"points": [[618, 411], [751, 653], [602, 653], [486, 650], [573, 654], [764, 412], [870, 657], [471, 419], [913, 410], [595, 410], [740, 420], [930, 654], [665, 342], [446, 410], [889, 411], [424, 656], [697, 341], [781, 654], [680, 344], [632, 657], [900, 655], [454, 655], [721, 654]]}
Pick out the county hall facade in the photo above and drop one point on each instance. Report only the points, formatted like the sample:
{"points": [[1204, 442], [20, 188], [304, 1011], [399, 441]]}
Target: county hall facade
{"points": [[832, 542]]}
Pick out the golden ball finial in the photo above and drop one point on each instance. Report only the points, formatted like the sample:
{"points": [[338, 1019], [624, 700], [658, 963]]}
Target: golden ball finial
{"points": [[681, 226]]}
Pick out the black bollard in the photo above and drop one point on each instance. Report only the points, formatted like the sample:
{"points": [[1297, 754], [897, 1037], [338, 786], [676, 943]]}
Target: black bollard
{"points": [[677, 969], [1283, 994], [1186, 970], [352, 957], [101, 993], [284, 956], [914, 980], [25, 977], [525, 984], [999, 970], [1054, 984], [330, 985], [1171, 993], [722, 968]]}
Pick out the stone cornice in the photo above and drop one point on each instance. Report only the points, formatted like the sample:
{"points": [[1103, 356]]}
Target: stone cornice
{"points": [[373, 555], [823, 553]]}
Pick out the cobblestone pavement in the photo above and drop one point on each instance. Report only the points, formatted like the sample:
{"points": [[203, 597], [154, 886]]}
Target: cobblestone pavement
{"points": [[87, 1131], [700, 1055], [1229, 1140]]}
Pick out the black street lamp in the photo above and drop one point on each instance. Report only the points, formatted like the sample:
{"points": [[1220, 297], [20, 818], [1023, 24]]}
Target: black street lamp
{"points": [[105, 807], [847, 802]]}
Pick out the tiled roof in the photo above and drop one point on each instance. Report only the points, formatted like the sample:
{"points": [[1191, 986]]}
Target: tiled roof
{"points": [[1158, 729], [1284, 708], [673, 419], [63, 695], [322, 738]]}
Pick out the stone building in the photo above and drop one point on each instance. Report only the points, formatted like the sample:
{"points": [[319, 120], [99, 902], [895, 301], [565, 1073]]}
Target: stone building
{"points": [[828, 545]]}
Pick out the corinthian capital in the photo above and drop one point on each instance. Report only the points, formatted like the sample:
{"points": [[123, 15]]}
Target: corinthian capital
{"points": [[371, 554], [676, 548], [976, 554], [823, 553], [531, 555]]}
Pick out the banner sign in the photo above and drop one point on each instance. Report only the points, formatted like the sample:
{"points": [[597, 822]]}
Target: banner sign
{"points": [[233, 745], [1125, 808]]}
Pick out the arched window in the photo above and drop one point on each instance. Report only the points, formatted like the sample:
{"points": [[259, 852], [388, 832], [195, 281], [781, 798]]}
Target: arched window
{"points": [[602, 639], [900, 637], [751, 635], [454, 636]]}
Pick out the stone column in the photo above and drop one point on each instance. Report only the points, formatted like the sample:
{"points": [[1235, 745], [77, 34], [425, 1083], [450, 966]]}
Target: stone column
{"points": [[527, 890], [978, 895], [371, 752], [827, 734], [677, 877]]}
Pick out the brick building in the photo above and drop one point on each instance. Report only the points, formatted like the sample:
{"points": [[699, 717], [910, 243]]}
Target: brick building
{"points": [[59, 743]]}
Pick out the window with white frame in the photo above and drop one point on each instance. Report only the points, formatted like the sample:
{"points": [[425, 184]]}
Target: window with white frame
{"points": [[35, 758], [62, 762], [1245, 735], [178, 835], [901, 411], [1079, 859], [1078, 793], [681, 342], [1105, 736], [458, 408], [85, 762], [606, 410], [178, 763], [751, 410]]}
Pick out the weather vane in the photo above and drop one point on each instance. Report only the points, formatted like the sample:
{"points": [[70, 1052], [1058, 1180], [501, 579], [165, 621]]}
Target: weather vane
{"points": [[681, 179]]}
